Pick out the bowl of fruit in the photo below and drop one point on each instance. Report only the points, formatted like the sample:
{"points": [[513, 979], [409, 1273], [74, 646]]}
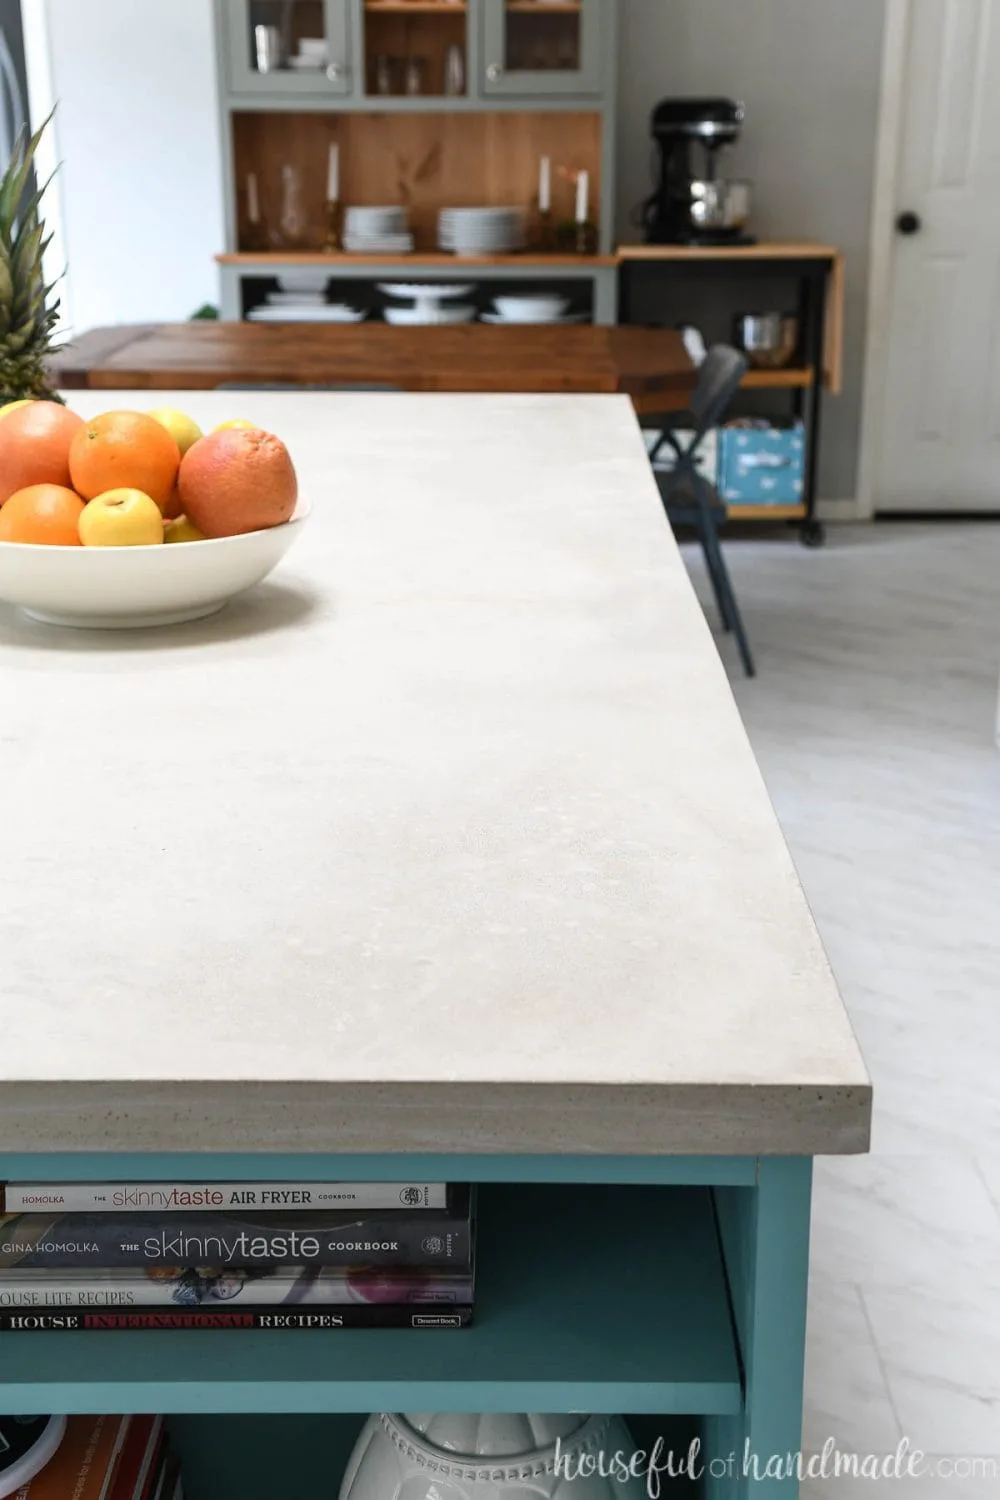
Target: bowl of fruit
{"points": [[137, 518]]}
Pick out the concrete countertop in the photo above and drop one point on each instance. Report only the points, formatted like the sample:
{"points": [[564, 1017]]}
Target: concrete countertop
{"points": [[447, 838]]}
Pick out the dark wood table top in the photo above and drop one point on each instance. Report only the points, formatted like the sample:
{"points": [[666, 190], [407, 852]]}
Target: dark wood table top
{"points": [[642, 362]]}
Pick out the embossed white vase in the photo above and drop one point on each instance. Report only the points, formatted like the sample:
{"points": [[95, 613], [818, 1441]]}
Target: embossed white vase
{"points": [[468, 1456]]}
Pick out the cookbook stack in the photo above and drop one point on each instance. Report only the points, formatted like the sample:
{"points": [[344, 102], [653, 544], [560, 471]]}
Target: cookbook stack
{"points": [[87, 1458], [235, 1255]]}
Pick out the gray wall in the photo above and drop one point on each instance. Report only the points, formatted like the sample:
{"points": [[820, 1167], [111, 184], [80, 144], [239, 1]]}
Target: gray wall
{"points": [[809, 74]]}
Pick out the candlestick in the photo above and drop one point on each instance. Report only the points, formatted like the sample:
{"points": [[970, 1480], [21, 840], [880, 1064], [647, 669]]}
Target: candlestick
{"points": [[544, 185], [582, 196], [332, 242], [586, 238], [254, 237], [333, 174], [545, 237]]}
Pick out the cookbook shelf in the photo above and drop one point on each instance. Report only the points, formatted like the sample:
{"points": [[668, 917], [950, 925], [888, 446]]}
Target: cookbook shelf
{"points": [[589, 1298]]}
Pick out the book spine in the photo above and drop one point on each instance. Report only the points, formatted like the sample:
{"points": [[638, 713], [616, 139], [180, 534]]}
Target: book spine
{"points": [[313, 1320], [197, 1197], [85, 1460], [47, 1290], [69, 1242], [136, 1455]]}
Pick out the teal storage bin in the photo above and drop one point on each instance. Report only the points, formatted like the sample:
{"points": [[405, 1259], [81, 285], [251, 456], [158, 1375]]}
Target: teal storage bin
{"points": [[762, 465]]}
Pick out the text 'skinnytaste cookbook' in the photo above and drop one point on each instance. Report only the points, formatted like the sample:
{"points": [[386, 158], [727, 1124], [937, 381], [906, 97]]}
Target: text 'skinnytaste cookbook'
{"points": [[421, 1237]]}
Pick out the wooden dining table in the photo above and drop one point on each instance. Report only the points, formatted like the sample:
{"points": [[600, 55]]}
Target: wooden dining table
{"points": [[649, 364]]}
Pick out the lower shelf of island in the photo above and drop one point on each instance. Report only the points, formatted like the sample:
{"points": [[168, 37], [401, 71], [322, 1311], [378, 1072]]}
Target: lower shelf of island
{"points": [[737, 513], [588, 1299]]}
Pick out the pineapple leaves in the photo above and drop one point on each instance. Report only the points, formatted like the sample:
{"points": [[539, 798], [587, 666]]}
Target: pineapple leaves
{"points": [[27, 317], [15, 179]]}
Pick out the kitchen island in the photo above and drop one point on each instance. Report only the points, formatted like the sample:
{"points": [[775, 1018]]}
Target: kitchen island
{"points": [[444, 854], [651, 364]]}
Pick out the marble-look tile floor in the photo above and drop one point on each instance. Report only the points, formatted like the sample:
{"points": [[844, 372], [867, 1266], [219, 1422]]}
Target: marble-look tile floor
{"points": [[873, 717]]}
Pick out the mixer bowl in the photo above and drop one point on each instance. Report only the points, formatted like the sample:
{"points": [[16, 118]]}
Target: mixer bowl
{"points": [[723, 203]]}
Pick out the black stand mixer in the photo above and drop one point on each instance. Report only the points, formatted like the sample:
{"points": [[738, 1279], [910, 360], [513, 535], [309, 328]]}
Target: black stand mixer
{"points": [[692, 204]]}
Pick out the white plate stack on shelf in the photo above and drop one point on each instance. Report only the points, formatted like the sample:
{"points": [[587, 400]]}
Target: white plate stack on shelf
{"points": [[532, 307], [481, 231], [431, 303], [301, 298], [313, 54], [377, 231]]}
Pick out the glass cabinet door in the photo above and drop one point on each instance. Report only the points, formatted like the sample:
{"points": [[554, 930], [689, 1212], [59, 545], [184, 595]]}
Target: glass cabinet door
{"points": [[289, 46], [542, 46]]}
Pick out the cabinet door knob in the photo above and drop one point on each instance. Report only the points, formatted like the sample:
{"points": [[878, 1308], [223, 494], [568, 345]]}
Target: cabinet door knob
{"points": [[336, 72], [908, 222], [494, 72]]}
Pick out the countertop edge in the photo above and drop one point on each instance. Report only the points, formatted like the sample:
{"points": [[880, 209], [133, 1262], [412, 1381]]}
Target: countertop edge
{"points": [[488, 1119]]}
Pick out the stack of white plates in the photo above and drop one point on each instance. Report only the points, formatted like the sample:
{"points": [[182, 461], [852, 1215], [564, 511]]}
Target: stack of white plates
{"points": [[301, 298], [430, 303], [377, 231], [306, 312], [481, 231], [313, 53]]}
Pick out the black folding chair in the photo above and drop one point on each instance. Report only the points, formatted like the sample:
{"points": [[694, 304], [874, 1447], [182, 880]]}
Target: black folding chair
{"points": [[688, 498]]}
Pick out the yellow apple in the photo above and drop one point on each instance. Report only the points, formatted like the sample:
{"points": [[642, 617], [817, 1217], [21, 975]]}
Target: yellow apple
{"points": [[183, 429], [181, 530], [236, 422], [121, 518], [13, 405]]}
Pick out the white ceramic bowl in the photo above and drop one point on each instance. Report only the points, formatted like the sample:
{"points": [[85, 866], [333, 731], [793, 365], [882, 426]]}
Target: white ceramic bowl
{"points": [[530, 309], [118, 588], [303, 280], [467, 1456]]}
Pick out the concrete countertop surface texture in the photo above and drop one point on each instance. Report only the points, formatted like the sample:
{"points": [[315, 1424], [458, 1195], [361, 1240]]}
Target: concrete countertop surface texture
{"points": [[448, 837]]}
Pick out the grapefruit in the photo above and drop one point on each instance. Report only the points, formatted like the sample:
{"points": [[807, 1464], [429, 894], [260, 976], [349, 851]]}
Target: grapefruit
{"points": [[237, 480], [35, 440], [10, 406]]}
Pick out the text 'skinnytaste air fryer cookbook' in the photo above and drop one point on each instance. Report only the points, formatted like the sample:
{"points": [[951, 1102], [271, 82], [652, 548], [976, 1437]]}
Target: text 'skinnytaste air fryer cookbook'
{"points": [[418, 1237], [216, 1197]]}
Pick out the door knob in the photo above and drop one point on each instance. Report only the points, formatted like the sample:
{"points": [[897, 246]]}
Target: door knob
{"points": [[494, 72], [908, 222]]}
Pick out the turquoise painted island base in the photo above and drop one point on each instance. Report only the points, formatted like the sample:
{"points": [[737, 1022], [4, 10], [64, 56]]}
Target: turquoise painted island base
{"points": [[666, 1287]]}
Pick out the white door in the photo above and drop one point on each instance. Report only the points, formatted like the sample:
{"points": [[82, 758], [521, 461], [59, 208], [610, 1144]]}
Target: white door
{"points": [[940, 430]]}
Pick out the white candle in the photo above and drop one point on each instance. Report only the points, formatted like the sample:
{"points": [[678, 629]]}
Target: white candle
{"points": [[253, 202], [545, 185], [582, 197], [333, 174]]}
